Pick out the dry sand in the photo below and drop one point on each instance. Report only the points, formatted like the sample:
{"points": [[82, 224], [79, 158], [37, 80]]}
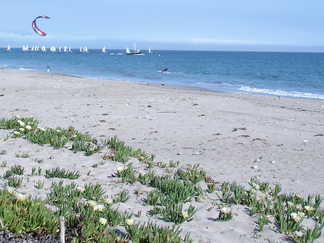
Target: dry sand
{"points": [[234, 137]]}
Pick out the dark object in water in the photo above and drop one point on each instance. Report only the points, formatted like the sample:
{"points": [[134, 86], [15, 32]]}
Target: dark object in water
{"points": [[164, 69]]}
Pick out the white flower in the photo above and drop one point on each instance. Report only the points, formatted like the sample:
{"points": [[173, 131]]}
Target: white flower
{"points": [[99, 207], [108, 201], [16, 133], [184, 214], [121, 169], [28, 127], [17, 117], [80, 189], [256, 186], [295, 217], [21, 129], [10, 189], [103, 221], [92, 204], [290, 204], [42, 129], [21, 123], [142, 173], [129, 222], [299, 233], [309, 208], [226, 210], [301, 214], [19, 196]]}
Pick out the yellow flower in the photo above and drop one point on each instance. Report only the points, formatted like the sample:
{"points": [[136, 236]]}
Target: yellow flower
{"points": [[301, 214], [309, 208], [103, 221], [129, 222], [184, 214], [92, 204], [299, 234], [256, 186]]}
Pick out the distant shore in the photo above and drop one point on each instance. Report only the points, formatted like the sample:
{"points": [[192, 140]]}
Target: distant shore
{"points": [[234, 137]]}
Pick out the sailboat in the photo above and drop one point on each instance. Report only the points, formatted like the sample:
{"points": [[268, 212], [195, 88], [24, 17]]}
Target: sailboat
{"points": [[150, 50], [134, 52], [43, 49], [25, 48], [8, 48], [85, 49], [104, 50], [53, 49]]}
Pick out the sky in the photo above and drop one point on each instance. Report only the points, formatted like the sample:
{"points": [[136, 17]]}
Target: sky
{"points": [[214, 25]]}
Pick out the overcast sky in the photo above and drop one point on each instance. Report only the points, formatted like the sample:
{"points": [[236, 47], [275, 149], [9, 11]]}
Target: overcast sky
{"points": [[267, 25]]}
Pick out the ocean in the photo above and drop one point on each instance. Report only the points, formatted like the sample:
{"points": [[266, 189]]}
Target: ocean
{"points": [[299, 75]]}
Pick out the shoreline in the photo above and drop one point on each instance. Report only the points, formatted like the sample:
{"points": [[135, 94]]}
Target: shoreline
{"points": [[234, 137]]}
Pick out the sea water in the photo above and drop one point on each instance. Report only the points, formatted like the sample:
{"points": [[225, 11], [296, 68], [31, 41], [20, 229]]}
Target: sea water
{"points": [[270, 73]]}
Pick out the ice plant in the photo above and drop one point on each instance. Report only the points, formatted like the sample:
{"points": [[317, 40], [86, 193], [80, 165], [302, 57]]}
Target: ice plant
{"points": [[10, 189], [99, 207], [103, 221], [21, 123], [92, 204], [19, 196], [225, 214], [295, 217], [129, 222], [80, 189], [309, 208], [108, 201]]}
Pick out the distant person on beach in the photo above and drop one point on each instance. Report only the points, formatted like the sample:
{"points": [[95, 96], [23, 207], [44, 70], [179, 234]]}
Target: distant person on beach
{"points": [[48, 69]]}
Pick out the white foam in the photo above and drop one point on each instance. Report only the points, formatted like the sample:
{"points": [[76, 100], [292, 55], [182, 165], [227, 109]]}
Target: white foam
{"points": [[295, 94]]}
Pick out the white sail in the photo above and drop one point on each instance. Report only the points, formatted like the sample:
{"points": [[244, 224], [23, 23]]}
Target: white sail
{"points": [[44, 49], [8, 48], [104, 50], [128, 51], [25, 48], [85, 49]]}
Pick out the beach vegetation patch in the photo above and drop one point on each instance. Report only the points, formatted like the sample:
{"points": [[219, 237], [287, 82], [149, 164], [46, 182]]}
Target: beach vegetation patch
{"points": [[19, 213], [22, 155], [121, 153], [14, 181], [61, 173], [192, 173], [3, 152], [17, 169], [153, 233]]}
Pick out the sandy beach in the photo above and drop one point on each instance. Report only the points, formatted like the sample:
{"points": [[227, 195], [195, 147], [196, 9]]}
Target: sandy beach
{"points": [[234, 137]]}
